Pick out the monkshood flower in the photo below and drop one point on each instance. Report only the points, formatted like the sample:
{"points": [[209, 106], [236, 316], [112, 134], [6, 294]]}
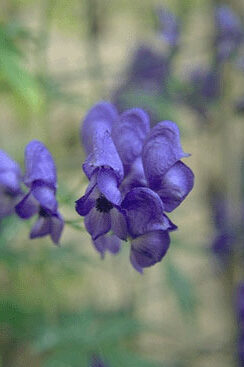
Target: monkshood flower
{"points": [[170, 28], [10, 184], [101, 203], [229, 32], [136, 175], [40, 177]]}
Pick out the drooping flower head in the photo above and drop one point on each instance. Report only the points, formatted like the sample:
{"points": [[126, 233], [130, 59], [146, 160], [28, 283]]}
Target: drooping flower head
{"points": [[10, 184], [136, 175], [40, 177]]}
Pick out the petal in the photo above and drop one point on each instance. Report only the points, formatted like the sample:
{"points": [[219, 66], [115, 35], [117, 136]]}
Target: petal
{"points": [[107, 242], [87, 201], [8, 202], [45, 196], [149, 248], [56, 227], [104, 154], [144, 211], [118, 224], [175, 185], [135, 177], [134, 262], [10, 180], [27, 207], [129, 134], [161, 151], [97, 223], [102, 115], [41, 228], [108, 185], [8, 164], [39, 164]]}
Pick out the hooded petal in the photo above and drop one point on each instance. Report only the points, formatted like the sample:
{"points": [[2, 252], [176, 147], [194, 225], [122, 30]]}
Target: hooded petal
{"points": [[42, 227], [97, 223], [27, 207], [56, 227], [118, 223], [108, 185], [45, 195], [144, 211], [175, 185], [101, 116], [148, 249], [39, 164], [129, 134], [107, 242], [104, 155], [162, 149]]}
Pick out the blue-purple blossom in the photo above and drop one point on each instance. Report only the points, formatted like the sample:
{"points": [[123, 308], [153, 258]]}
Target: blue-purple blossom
{"points": [[40, 177], [229, 32], [170, 27], [135, 176], [10, 184]]}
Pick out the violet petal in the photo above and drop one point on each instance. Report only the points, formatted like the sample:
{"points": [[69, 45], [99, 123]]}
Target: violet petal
{"points": [[97, 223]]}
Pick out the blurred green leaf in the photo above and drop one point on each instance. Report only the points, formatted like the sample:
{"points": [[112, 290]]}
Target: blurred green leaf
{"points": [[15, 75]]}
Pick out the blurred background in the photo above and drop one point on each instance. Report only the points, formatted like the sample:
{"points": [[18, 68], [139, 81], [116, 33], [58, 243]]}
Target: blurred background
{"points": [[178, 59]]}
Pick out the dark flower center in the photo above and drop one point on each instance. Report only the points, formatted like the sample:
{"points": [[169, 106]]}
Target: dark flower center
{"points": [[103, 205], [43, 212]]}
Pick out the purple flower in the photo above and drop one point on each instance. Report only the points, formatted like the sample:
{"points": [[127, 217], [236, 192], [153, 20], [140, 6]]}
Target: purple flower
{"points": [[101, 209], [229, 32], [135, 175], [170, 28], [148, 227], [10, 181], [40, 178], [171, 179]]}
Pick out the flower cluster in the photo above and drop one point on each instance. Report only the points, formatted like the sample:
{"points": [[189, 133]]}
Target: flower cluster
{"points": [[40, 178], [135, 175]]}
